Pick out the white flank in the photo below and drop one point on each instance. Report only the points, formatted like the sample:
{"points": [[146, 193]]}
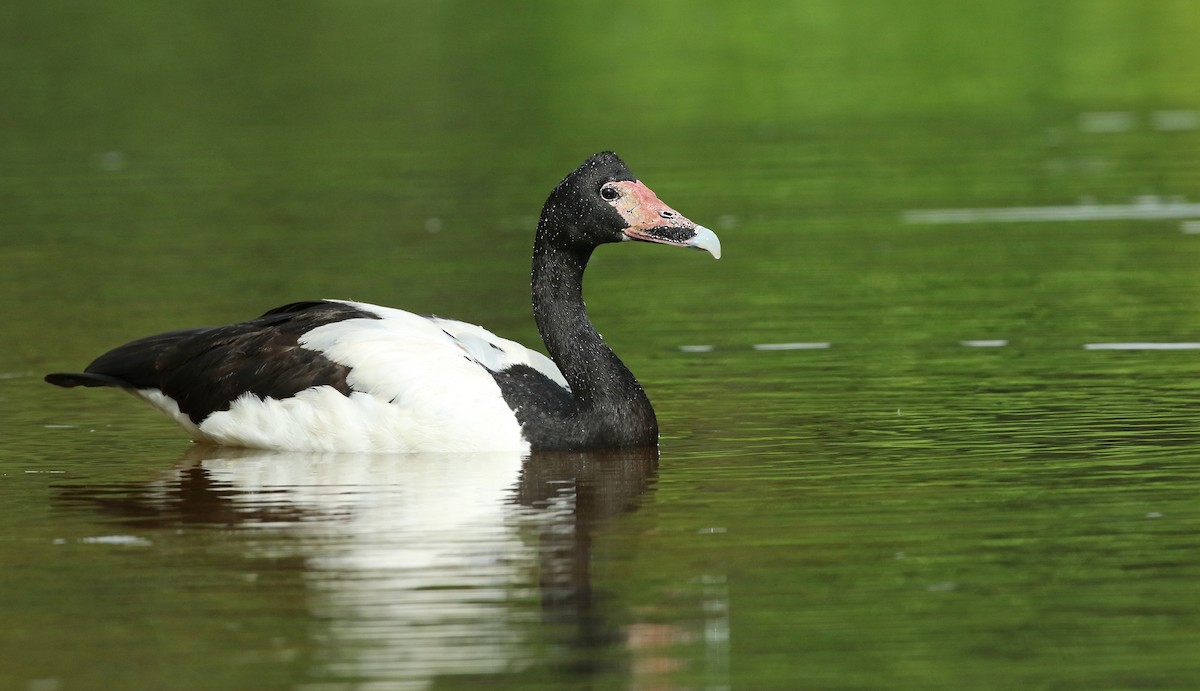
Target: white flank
{"points": [[418, 384], [170, 408], [416, 388]]}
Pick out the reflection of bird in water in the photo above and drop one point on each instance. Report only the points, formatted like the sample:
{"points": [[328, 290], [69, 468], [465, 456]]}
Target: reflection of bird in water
{"points": [[419, 566], [343, 376]]}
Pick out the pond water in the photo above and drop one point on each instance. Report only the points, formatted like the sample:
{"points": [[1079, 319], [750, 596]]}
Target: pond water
{"points": [[933, 420]]}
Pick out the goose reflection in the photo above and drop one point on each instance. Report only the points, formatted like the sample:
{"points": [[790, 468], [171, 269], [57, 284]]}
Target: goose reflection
{"points": [[420, 566]]}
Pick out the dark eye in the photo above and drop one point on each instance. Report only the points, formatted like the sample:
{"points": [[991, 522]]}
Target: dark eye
{"points": [[610, 193]]}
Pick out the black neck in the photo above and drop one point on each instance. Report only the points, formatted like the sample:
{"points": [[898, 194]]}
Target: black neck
{"points": [[610, 406]]}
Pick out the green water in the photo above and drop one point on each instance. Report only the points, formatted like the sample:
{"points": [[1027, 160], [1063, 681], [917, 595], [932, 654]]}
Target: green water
{"points": [[892, 509]]}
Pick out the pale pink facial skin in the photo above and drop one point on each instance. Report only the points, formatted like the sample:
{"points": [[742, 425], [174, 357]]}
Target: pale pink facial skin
{"points": [[643, 211]]}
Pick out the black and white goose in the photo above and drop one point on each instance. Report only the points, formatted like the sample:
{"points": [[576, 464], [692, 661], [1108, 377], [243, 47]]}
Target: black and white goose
{"points": [[334, 375]]}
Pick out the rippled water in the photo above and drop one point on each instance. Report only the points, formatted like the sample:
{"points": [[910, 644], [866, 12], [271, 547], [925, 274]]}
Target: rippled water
{"points": [[931, 421]]}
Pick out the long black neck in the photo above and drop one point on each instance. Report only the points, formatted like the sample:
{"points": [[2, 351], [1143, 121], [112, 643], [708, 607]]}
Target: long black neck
{"points": [[611, 409]]}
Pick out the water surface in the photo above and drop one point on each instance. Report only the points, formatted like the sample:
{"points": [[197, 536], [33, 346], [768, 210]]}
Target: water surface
{"points": [[931, 422]]}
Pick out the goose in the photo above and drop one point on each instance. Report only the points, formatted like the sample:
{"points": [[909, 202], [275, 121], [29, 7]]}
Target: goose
{"points": [[344, 376]]}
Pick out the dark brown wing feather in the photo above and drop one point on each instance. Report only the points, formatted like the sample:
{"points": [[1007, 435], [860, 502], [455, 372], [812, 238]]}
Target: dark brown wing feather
{"points": [[205, 369]]}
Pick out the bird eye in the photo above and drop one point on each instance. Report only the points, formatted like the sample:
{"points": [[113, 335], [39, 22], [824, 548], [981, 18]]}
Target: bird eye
{"points": [[609, 192]]}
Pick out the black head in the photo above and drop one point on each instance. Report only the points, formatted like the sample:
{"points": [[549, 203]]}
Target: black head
{"points": [[601, 201]]}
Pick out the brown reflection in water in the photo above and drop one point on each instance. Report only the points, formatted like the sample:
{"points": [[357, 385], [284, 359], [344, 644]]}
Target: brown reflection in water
{"points": [[581, 491], [191, 495]]}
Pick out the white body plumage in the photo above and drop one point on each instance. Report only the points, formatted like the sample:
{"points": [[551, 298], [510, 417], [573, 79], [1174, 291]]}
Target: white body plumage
{"points": [[417, 384]]}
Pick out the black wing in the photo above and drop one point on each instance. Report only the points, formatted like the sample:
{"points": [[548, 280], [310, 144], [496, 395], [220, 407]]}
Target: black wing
{"points": [[205, 369]]}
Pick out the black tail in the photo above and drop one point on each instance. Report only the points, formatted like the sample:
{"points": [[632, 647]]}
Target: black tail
{"points": [[71, 379], [131, 366]]}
